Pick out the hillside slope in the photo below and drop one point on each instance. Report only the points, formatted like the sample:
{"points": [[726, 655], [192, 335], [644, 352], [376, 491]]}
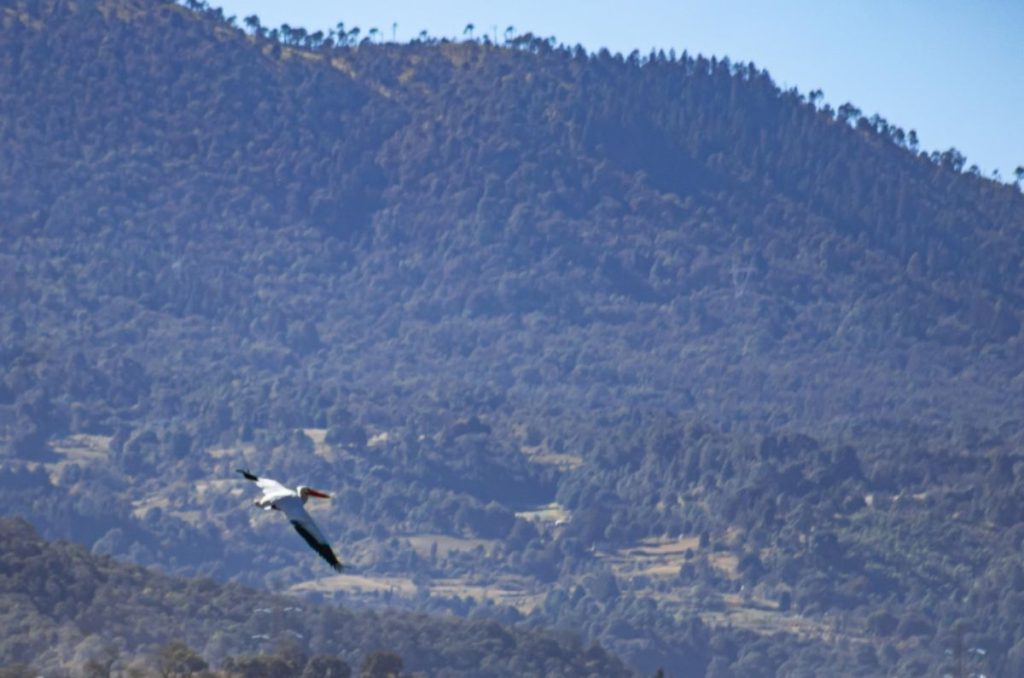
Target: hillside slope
{"points": [[63, 607], [641, 347]]}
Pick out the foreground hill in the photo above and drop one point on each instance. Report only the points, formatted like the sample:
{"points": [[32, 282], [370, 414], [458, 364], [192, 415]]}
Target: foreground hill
{"points": [[642, 347], [63, 607]]}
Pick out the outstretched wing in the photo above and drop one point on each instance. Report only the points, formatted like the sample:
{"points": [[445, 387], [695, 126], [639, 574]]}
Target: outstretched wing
{"points": [[271, 488], [304, 525]]}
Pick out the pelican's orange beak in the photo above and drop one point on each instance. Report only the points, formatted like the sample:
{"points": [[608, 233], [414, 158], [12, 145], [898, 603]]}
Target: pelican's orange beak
{"points": [[317, 493]]}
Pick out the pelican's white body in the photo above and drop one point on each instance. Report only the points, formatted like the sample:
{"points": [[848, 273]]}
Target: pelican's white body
{"points": [[292, 503]]}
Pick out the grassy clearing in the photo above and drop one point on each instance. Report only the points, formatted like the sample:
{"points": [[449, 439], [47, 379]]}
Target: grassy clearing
{"points": [[424, 544], [549, 513], [726, 563], [540, 454], [77, 449], [658, 560], [141, 506], [333, 453], [520, 592], [763, 617], [320, 446], [205, 489], [378, 439], [654, 557], [83, 448], [356, 584], [241, 451]]}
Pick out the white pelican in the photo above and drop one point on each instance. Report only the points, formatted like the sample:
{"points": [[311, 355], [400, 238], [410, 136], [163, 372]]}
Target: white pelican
{"points": [[278, 497]]}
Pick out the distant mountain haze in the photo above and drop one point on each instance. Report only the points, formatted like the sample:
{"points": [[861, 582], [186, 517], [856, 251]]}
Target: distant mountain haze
{"points": [[642, 347]]}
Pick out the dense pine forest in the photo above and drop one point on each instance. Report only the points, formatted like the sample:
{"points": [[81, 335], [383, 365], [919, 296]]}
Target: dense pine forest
{"points": [[641, 349]]}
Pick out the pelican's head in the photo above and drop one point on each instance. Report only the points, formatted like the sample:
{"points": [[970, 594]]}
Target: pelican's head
{"points": [[310, 492]]}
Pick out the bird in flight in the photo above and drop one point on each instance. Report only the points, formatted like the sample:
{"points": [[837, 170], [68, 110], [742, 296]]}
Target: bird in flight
{"points": [[277, 497]]}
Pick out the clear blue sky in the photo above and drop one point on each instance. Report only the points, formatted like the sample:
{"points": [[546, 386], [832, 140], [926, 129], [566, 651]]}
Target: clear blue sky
{"points": [[951, 69]]}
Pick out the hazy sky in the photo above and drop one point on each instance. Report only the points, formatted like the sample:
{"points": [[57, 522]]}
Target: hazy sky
{"points": [[952, 70]]}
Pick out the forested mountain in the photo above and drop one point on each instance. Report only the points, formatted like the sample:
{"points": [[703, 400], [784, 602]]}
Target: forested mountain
{"points": [[643, 347]]}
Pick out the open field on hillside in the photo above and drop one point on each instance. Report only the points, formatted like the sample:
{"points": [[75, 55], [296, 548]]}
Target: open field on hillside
{"points": [[424, 544], [540, 454], [80, 448], [520, 593], [549, 514], [648, 569]]}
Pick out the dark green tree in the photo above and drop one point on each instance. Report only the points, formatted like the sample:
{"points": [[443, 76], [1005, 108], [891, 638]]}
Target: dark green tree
{"points": [[176, 658], [326, 666], [253, 22], [381, 664]]}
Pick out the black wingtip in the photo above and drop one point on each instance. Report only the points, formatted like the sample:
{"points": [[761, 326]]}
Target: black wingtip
{"points": [[322, 548], [246, 474]]}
